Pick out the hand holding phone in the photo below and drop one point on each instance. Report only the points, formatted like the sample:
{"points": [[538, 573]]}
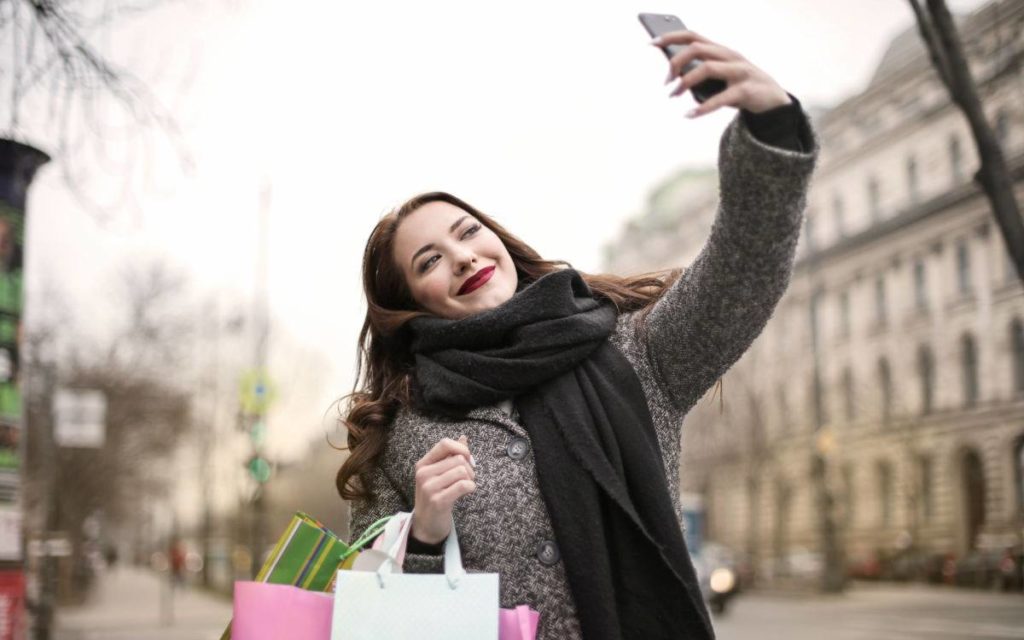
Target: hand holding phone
{"points": [[716, 75], [658, 25]]}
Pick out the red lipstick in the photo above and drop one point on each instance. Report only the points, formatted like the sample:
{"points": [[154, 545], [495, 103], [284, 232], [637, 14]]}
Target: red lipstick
{"points": [[476, 280]]}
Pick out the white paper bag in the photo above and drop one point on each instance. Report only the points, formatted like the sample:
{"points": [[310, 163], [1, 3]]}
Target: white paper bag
{"points": [[455, 605]]}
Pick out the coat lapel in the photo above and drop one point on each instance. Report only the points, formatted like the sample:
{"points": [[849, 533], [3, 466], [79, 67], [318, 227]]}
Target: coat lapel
{"points": [[496, 416]]}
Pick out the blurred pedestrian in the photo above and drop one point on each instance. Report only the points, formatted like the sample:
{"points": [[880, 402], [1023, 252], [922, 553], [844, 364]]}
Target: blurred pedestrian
{"points": [[539, 408], [177, 556], [1009, 571]]}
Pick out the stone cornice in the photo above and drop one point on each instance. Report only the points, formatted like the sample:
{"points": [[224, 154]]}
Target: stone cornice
{"points": [[926, 209]]}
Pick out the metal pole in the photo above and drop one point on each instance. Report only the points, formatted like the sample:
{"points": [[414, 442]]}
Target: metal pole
{"points": [[262, 318], [47, 603]]}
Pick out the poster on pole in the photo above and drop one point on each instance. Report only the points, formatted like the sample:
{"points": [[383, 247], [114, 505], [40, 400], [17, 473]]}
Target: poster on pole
{"points": [[80, 418], [12, 237], [17, 169], [12, 604], [10, 533]]}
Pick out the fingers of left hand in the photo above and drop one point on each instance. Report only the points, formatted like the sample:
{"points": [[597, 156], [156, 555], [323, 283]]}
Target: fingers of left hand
{"points": [[731, 72], [732, 96], [678, 37], [706, 51]]}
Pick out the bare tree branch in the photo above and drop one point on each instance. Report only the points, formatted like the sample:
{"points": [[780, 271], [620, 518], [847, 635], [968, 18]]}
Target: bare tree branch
{"points": [[51, 48], [931, 42], [993, 176]]}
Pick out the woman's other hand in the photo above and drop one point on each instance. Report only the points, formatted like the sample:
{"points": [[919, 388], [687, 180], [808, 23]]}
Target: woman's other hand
{"points": [[748, 87], [443, 475]]}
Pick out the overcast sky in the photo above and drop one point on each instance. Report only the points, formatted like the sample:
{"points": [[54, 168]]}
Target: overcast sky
{"points": [[550, 116]]}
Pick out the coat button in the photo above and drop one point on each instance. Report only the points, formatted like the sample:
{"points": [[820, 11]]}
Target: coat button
{"points": [[517, 448], [547, 552]]}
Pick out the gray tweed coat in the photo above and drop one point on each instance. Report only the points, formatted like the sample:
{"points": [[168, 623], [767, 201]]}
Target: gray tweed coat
{"points": [[694, 333]]}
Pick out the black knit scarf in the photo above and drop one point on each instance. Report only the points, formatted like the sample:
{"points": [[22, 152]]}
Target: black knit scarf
{"points": [[597, 456]]}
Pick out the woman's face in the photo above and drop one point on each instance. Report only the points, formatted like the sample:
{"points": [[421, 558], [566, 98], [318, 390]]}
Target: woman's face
{"points": [[453, 265]]}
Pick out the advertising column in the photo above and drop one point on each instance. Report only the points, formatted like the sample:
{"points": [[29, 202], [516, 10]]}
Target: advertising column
{"points": [[18, 165]]}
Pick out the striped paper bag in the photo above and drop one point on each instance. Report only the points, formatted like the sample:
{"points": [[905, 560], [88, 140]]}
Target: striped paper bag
{"points": [[308, 555]]}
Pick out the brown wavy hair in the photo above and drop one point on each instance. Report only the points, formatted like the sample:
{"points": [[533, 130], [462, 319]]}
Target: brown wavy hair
{"points": [[384, 368]]}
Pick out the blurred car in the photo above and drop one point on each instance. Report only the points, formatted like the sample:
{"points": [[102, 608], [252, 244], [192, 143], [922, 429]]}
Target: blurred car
{"points": [[805, 564], [719, 574]]}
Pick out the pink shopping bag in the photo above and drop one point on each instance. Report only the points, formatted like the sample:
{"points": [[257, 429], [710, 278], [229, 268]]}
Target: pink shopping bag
{"points": [[265, 611], [518, 624]]}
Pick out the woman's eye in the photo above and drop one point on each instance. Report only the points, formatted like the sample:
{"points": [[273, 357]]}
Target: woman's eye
{"points": [[470, 231], [426, 263]]}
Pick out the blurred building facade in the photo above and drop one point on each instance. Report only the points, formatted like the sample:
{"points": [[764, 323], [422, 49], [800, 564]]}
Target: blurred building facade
{"points": [[887, 392]]}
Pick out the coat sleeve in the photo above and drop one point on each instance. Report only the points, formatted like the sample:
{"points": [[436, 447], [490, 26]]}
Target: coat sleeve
{"points": [[388, 500], [721, 302]]}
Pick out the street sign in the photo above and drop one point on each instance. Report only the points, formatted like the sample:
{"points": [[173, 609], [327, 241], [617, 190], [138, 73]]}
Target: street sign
{"points": [[259, 469], [258, 433], [55, 547], [256, 392], [80, 418]]}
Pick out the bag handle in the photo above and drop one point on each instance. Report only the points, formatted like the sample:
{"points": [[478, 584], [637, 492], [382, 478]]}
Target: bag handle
{"points": [[393, 541], [453, 569]]}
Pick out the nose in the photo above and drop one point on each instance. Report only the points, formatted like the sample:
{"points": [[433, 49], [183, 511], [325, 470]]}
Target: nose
{"points": [[463, 260]]}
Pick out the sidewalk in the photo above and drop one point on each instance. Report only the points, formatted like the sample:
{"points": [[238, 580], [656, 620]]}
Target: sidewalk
{"points": [[130, 602]]}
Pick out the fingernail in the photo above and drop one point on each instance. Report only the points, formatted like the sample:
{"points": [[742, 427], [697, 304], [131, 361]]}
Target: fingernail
{"points": [[656, 41], [669, 77], [692, 113], [472, 461]]}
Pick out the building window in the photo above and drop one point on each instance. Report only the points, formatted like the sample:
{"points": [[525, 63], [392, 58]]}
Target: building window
{"points": [[819, 402], [844, 314], [1002, 126], [956, 160], [851, 495], [969, 366], [885, 493], [920, 285], [927, 495], [926, 374], [1018, 460], [881, 309], [1017, 353], [874, 198], [817, 302], [839, 215], [849, 399], [913, 184], [963, 267], [885, 387], [809, 232], [783, 410]]}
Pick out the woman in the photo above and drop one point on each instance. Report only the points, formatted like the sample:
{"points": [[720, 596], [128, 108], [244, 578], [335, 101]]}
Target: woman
{"points": [[542, 407]]}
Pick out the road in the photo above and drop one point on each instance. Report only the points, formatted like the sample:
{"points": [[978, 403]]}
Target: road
{"points": [[132, 604], [127, 606], [876, 612]]}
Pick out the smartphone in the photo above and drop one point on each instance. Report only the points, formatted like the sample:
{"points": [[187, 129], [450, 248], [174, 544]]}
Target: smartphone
{"points": [[659, 24]]}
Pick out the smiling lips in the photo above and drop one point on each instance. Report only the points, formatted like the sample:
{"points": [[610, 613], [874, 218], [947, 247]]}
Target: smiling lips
{"points": [[477, 280]]}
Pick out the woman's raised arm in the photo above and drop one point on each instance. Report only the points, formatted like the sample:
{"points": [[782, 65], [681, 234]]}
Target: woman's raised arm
{"points": [[720, 304]]}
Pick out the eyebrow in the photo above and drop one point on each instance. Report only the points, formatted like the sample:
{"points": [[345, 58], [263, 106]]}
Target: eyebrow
{"points": [[427, 247]]}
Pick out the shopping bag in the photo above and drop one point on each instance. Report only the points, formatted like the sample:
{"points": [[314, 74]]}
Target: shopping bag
{"points": [[264, 611], [455, 605], [518, 624], [308, 555], [393, 539]]}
